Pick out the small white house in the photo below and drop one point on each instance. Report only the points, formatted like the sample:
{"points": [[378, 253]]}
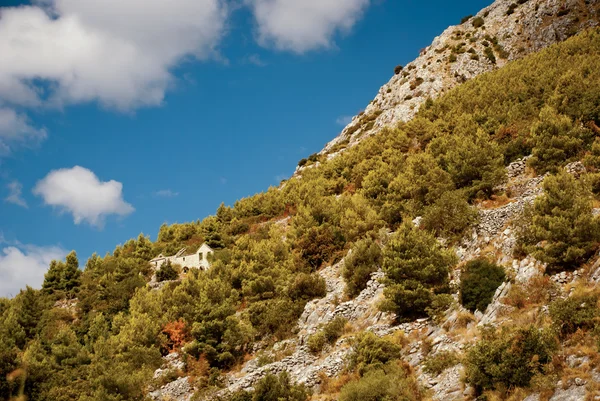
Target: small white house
{"points": [[198, 260]]}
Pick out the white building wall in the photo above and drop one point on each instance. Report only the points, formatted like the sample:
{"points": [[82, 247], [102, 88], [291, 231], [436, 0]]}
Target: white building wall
{"points": [[199, 260]]}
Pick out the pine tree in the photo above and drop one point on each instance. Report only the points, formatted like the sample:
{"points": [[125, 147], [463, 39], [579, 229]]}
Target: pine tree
{"points": [[416, 268], [562, 230]]}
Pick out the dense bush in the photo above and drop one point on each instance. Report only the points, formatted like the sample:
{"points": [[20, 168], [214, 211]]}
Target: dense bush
{"points": [[388, 383], [504, 359], [398, 69], [364, 259], [272, 388], [560, 229], [478, 283], [579, 311], [416, 268], [557, 140], [477, 22], [372, 352], [473, 161], [435, 365], [450, 216], [167, 272]]}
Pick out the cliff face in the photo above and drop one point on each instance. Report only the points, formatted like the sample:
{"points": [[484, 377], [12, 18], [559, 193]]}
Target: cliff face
{"points": [[499, 33]]}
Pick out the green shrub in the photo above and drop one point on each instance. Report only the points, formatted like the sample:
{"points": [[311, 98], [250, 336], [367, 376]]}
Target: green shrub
{"points": [[478, 283], [316, 342], [364, 259], [416, 268], [391, 383], [477, 22], [329, 334], [557, 141], [465, 18], [504, 359], [398, 69], [307, 286], [560, 229], [450, 215], [489, 53], [167, 272], [441, 361], [573, 313], [452, 58], [474, 162], [372, 352], [272, 388]]}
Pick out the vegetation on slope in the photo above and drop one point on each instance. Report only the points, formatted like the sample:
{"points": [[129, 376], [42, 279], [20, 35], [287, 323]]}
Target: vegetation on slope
{"points": [[438, 165]]}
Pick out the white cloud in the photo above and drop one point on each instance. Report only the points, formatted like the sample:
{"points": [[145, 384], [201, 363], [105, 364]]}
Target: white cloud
{"points": [[343, 120], [23, 265], [116, 52], [15, 130], [79, 192], [300, 26], [166, 193], [15, 190]]}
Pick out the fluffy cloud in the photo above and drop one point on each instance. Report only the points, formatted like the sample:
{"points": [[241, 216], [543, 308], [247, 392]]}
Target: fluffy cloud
{"points": [[300, 26], [25, 265], [78, 191], [119, 53], [15, 190]]}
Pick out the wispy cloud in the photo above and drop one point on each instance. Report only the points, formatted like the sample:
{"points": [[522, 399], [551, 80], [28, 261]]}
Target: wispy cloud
{"points": [[166, 193], [15, 191], [343, 120], [254, 59]]}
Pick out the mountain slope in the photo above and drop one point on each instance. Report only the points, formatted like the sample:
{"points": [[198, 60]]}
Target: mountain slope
{"points": [[482, 43], [372, 276]]}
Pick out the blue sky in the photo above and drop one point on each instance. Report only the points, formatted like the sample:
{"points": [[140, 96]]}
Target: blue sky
{"points": [[182, 109]]}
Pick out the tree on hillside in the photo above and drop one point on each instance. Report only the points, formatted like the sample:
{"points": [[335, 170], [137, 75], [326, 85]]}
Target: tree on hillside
{"points": [[416, 267], [63, 278], [560, 228], [557, 140]]}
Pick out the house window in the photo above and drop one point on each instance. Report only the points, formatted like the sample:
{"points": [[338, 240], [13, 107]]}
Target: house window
{"points": [[201, 256], [184, 258]]}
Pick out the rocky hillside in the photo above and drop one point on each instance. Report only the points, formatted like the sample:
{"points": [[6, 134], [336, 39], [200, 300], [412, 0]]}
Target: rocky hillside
{"points": [[452, 256], [504, 31]]}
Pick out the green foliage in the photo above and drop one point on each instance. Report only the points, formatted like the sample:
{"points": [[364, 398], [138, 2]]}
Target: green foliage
{"points": [[63, 278], [388, 383], [504, 359], [307, 286], [372, 352], [167, 272], [416, 268], [272, 388], [473, 161], [398, 69], [477, 22], [441, 361], [557, 141], [560, 229], [364, 259], [329, 334], [579, 311], [478, 283], [450, 215]]}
